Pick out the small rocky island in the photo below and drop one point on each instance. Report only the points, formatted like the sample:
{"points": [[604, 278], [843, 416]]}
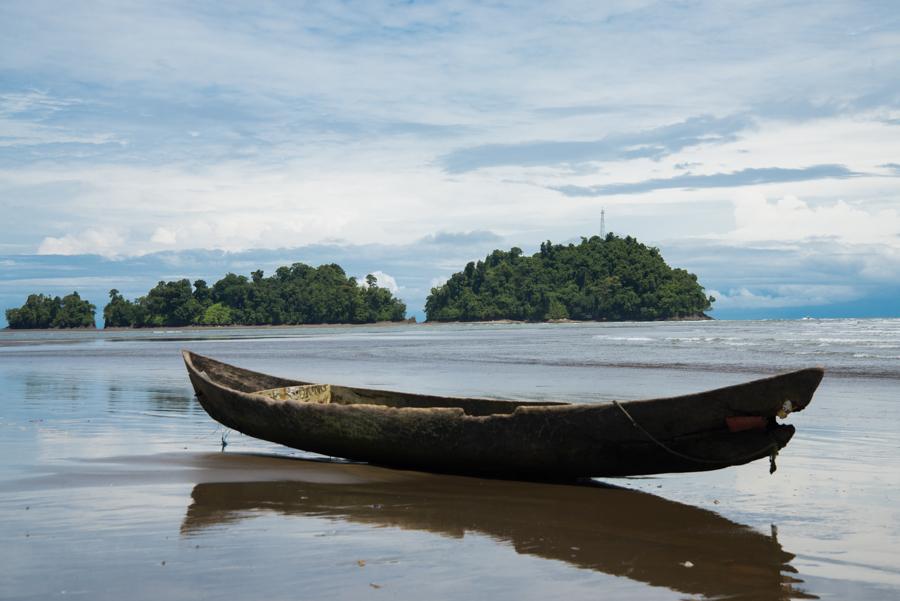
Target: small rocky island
{"points": [[603, 279]]}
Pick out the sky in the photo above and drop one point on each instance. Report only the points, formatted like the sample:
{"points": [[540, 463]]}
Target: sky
{"points": [[756, 144]]}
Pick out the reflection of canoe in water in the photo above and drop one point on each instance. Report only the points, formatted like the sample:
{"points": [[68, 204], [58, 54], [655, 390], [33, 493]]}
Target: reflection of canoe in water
{"points": [[532, 440], [615, 531]]}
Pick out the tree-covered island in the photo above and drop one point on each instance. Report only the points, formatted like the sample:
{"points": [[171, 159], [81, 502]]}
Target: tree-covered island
{"points": [[605, 279], [294, 295], [44, 311]]}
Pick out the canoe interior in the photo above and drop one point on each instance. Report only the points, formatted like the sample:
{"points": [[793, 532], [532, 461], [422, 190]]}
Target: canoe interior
{"points": [[743, 399], [295, 391]]}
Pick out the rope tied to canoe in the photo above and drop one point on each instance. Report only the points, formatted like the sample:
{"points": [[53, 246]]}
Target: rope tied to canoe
{"points": [[771, 448]]}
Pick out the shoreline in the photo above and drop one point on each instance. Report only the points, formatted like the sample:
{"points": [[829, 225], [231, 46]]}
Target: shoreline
{"points": [[200, 328], [701, 317], [380, 324]]}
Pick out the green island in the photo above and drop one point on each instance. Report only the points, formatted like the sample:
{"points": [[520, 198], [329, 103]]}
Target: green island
{"points": [[293, 295], [603, 279], [42, 311], [611, 278]]}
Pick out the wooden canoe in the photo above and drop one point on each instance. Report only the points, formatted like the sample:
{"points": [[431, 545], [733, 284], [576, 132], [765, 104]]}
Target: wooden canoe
{"points": [[513, 439]]}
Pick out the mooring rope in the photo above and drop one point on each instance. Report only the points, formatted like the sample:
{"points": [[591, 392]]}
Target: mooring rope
{"points": [[771, 449]]}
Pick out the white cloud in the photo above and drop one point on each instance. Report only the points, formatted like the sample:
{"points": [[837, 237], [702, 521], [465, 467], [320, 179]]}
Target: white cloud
{"points": [[784, 296], [239, 205], [438, 282], [102, 241], [791, 219], [226, 144], [12, 103], [384, 281], [17, 133], [79, 282], [164, 236]]}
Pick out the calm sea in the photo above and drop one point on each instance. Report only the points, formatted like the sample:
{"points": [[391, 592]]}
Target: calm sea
{"points": [[113, 483]]}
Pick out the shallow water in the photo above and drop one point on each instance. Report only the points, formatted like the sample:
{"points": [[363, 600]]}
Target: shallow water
{"points": [[112, 483]]}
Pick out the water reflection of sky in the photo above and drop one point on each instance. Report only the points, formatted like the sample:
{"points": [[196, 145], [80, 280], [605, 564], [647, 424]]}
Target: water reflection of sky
{"points": [[241, 520], [66, 408]]}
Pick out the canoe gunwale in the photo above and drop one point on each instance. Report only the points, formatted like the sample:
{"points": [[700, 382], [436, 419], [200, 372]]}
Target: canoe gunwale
{"points": [[511, 404], [521, 405]]}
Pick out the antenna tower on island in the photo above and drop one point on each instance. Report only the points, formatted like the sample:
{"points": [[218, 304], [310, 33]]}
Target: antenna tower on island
{"points": [[603, 223]]}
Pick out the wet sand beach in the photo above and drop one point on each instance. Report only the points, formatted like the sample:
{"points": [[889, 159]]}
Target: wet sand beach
{"points": [[114, 483]]}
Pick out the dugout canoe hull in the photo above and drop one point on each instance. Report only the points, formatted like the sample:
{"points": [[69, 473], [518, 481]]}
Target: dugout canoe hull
{"points": [[511, 439]]}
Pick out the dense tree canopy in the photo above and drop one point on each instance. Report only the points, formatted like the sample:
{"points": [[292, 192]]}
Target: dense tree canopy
{"points": [[298, 294], [610, 278], [41, 311]]}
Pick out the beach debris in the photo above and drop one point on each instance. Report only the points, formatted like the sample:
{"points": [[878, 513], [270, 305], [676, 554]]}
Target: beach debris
{"points": [[687, 564], [163, 562], [361, 563]]}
